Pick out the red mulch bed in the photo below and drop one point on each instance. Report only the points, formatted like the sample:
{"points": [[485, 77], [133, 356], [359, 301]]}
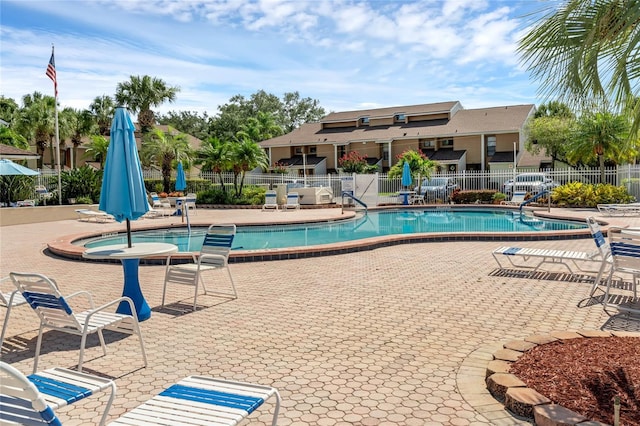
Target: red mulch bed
{"points": [[585, 374]]}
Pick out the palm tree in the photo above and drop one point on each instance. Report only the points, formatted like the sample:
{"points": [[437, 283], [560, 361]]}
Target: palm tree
{"points": [[36, 122], [600, 136], [78, 123], [246, 155], [139, 94], [103, 109], [97, 149], [587, 49], [215, 155], [164, 149], [259, 128]]}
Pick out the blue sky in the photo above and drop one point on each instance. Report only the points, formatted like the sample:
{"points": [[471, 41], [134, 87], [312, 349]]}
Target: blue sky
{"points": [[347, 54]]}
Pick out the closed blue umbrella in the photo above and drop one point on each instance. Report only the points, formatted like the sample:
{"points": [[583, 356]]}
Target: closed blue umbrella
{"points": [[406, 175], [123, 193], [181, 181]]}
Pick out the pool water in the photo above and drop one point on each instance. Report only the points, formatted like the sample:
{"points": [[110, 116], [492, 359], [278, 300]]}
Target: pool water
{"points": [[374, 224]]}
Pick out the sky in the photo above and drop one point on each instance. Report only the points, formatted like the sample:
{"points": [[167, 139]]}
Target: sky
{"points": [[348, 55]]}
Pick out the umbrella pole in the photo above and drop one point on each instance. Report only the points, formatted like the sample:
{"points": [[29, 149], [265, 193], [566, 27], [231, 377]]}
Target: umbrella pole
{"points": [[128, 233]]}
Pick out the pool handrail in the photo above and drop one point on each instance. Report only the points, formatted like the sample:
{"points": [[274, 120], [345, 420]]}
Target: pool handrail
{"points": [[350, 195]]}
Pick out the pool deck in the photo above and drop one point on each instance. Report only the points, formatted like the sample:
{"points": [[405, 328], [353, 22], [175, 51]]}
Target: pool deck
{"points": [[398, 335]]}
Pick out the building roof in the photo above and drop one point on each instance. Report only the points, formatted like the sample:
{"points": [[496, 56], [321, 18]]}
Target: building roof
{"points": [[444, 154], [421, 109], [495, 120], [8, 151]]}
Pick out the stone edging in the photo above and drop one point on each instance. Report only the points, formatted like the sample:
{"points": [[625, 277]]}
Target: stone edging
{"points": [[487, 368]]}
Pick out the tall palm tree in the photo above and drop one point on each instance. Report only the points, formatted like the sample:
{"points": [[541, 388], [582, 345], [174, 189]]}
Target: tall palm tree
{"points": [[103, 109], [164, 149], [587, 49], [600, 136], [78, 123], [215, 155], [246, 155], [36, 122], [139, 94]]}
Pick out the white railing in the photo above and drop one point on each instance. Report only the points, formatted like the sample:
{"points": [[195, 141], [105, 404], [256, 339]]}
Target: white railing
{"points": [[626, 175]]}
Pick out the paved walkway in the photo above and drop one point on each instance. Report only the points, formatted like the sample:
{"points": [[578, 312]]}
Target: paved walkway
{"points": [[378, 337]]}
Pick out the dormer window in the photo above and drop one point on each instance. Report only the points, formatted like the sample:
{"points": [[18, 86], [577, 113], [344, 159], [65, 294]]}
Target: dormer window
{"points": [[399, 118], [364, 120]]}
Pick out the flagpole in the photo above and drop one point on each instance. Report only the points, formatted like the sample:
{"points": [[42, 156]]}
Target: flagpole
{"points": [[57, 138]]}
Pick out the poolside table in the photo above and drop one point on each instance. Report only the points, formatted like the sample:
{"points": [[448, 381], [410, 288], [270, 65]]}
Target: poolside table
{"points": [[130, 258], [405, 196]]}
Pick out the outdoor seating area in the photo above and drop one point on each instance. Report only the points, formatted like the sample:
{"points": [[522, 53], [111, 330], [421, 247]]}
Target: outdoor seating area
{"points": [[94, 216], [315, 341], [632, 209]]}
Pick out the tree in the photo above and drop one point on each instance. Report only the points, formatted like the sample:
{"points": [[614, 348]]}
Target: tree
{"points": [[599, 136], [353, 162], [103, 110], [97, 149], [259, 128], [139, 94], [585, 50], [9, 137], [165, 149], [246, 155], [551, 131], [188, 122], [36, 122], [8, 109], [78, 123], [419, 165], [296, 111], [215, 155]]}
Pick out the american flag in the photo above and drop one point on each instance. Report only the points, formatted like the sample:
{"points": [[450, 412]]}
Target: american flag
{"points": [[51, 73]]}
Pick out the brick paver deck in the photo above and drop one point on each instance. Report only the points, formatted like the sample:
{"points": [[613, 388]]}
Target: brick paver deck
{"points": [[394, 336]]}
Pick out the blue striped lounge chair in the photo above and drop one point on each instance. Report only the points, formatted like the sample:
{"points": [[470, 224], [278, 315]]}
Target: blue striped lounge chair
{"points": [[202, 400], [270, 201], [9, 299], [625, 254], [293, 202], [32, 400], [55, 313], [533, 258]]}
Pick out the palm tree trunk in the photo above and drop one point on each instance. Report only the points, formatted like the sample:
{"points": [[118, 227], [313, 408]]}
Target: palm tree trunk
{"points": [[601, 161]]}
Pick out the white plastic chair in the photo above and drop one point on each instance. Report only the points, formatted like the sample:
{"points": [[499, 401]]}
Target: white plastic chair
{"points": [[214, 255], [517, 199], [270, 201], [55, 313], [31, 400], [625, 258], [190, 203], [9, 299], [293, 202], [199, 400]]}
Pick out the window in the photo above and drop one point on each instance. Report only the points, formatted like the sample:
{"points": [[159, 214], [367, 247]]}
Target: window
{"points": [[342, 150], [399, 118], [427, 143], [364, 120], [491, 146], [446, 143], [299, 150], [312, 150]]}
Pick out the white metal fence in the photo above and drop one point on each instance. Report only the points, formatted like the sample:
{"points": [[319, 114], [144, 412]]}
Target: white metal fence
{"points": [[626, 175]]}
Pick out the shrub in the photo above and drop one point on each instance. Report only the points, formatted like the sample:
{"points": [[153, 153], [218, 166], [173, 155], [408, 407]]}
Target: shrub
{"points": [[214, 196], [579, 194], [471, 197], [499, 196], [81, 182]]}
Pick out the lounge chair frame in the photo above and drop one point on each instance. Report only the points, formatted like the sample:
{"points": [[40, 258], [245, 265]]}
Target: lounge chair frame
{"points": [[632, 209], [8, 299], [625, 254]]}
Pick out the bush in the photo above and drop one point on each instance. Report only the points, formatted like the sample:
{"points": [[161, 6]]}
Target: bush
{"points": [[579, 194], [499, 196], [471, 197], [81, 182]]}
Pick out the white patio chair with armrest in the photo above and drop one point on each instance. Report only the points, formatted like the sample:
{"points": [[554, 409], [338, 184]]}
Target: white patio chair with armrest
{"points": [[270, 201], [31, 400], [214, 255], [200, 400], [534, 258], [8, 298], [625, 255], [55, 313]]}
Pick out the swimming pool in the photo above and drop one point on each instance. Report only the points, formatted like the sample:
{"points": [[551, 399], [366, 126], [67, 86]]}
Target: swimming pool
{"points": [[374, 224]]}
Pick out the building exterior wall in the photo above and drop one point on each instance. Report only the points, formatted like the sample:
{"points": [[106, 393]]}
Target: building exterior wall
{"points": [[472, 145], [504, 142], [327, 151], [398, 147]]}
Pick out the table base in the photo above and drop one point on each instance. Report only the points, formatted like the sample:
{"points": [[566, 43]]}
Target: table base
{"points": [[132, 290]]}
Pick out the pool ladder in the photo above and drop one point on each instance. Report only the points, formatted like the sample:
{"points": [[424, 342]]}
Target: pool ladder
{"points": [[348, 195]]}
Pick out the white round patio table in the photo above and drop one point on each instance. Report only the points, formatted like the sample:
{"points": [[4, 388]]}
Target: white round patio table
{"points": [[130, 259]]}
